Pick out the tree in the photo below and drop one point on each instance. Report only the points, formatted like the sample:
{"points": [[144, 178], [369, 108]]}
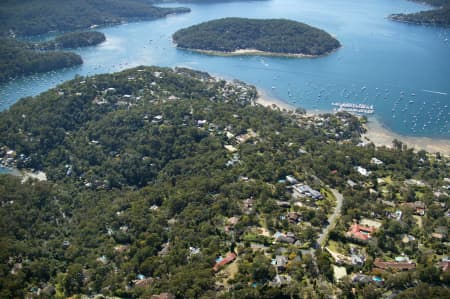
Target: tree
{"points": [[74, 279]]}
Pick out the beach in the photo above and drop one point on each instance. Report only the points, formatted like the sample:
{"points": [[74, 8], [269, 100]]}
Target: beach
{"points": [[381, 136], [247, 52], [267, 101], [376, 132]]}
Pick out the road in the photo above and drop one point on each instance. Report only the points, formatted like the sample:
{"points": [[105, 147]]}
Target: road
{"points": [[332, 218], [331, 222]]}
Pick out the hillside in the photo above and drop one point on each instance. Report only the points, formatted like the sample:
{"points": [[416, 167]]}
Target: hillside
{"points": [[156, 174], [33, 17], [19, 58], [440, 16], [272, 36]]}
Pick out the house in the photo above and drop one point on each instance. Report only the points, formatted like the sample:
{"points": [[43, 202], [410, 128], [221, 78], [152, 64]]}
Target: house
{"points": [[302, 190], [397, 215], [417, 206], [231, 256], [247, 205], [280, 280], [444, 265], [357, 257], [230, 148], [293, 217], [440, 232], [376, 161], [360, 232], [163, 296], [165, 249], [284, 238], [394, 265], [291, 180], [407, 238], [361, 279], [280, 262], [201, 122], [283, 204], [362, 171], [232, 221], [143, 282], [381, 181], [413, 182], [194, 250], [351, 183], [402, 259]]}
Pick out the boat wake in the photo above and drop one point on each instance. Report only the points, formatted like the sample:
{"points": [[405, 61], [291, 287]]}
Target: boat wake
{"points": [[435, 92]]}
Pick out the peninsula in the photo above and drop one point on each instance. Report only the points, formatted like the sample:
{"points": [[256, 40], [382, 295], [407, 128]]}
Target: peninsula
{"points": [[21, 58], [73, 40], [174, 182], [439, 16], [18, 58], [241, 36]]}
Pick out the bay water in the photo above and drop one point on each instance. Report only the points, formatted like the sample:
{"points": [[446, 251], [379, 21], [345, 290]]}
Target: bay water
{"points": [[403, 70]]}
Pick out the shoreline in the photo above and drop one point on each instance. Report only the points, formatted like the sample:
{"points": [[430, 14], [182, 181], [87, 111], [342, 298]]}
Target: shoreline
{"points": [[269, 101], [382, 136], [254, 52], [376, 131]]}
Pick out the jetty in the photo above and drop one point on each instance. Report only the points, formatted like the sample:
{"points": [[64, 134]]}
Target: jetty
{"points": [[353, 108]]}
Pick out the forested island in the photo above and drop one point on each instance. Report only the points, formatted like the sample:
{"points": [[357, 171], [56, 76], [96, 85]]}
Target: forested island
{"points": [[172, 181], [33, 17], [270, 36], [19, 58], [73, 40], [440, 16]]}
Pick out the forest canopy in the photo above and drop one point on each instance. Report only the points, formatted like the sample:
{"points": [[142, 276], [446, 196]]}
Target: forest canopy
{"points": [[33, 17], [272, 35], [154, 174]]}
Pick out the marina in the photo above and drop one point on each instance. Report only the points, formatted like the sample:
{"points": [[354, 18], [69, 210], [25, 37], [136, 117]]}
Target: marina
{"points": [[354, 108]]}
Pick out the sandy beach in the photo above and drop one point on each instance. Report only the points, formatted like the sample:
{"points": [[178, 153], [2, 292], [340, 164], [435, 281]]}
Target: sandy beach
{"points": [[380, 136], [267, 101], [247, 52], [376, 132]]}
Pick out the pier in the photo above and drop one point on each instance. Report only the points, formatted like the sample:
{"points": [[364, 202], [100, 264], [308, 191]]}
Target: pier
{"points": [[354, 108]]}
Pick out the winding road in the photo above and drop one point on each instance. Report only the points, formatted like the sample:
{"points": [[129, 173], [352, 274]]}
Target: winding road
{"points": [[332, 218]]}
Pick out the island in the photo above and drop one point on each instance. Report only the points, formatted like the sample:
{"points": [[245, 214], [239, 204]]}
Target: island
{"points": [[18, 58], [170, 181], [73, 40], [440, 16], [241, 36], [34, 17]]}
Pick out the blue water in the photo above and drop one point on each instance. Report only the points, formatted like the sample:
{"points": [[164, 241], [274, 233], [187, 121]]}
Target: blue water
{"points": [[4, 170], [403, 70]]}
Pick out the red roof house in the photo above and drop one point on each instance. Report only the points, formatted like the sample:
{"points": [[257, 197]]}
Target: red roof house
{"points": [[231, 256], [361, 232], [394, 265]]}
